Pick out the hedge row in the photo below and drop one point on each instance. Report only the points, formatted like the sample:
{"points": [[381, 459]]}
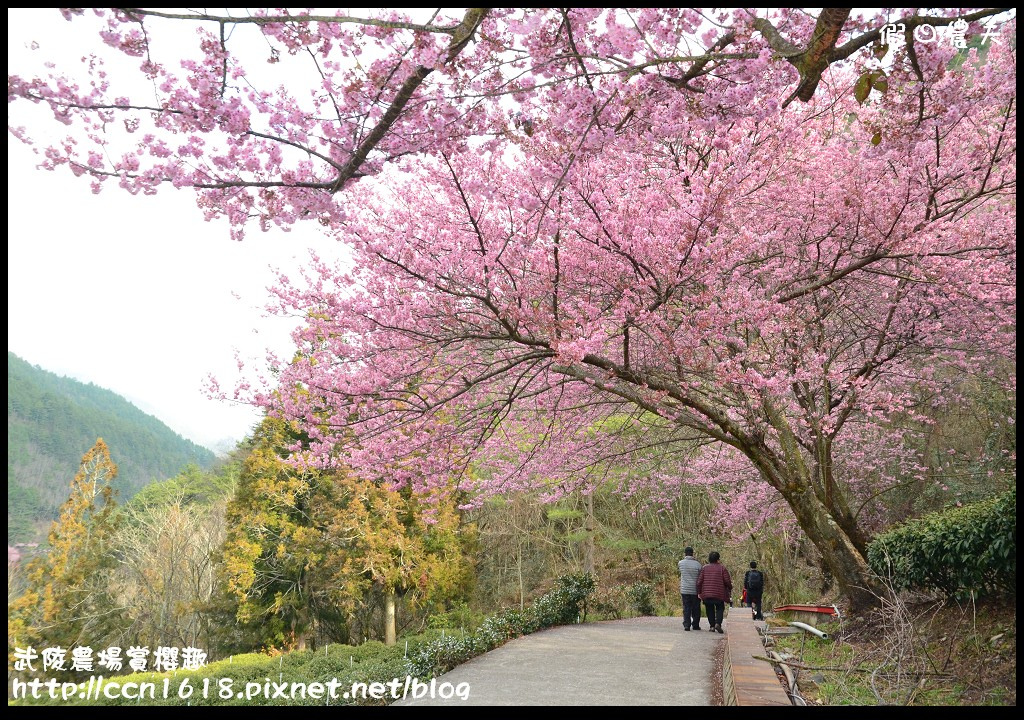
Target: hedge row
{"points": [[255, 679], [221, 682], [567, 603], [964, 551]]}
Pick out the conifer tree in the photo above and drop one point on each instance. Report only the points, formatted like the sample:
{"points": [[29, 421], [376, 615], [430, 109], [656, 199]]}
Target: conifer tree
{"points": [[67, 601], [307, 545]]}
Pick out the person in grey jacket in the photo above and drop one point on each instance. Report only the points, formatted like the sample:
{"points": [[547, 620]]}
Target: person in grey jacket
{"points": [[689, 569]]}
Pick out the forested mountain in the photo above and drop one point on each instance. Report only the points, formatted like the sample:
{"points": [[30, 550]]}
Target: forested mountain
{"points": [[52, 421]]}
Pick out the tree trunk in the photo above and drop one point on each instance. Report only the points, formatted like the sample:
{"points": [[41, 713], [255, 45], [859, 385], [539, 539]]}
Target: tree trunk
{"points": [[789, 473], [519, 568], [835, 499], [838, 551], [299, 630], [588, 547], [390, 635]]}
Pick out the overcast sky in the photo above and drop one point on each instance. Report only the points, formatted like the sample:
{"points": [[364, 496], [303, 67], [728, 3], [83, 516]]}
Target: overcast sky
{"points": [[135, 294]]}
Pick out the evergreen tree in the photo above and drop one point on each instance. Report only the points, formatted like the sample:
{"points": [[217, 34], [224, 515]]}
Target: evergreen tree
{"points": [[67, 602], [308, 547], [397, 544], [274, 552]]}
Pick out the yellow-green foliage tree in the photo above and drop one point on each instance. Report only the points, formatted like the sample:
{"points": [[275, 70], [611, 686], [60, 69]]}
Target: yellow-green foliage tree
{"points": [[67, 600], [310, 546], [397, 544], [273, 557]]}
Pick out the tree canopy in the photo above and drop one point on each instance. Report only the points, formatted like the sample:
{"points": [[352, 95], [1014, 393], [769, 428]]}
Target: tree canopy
{"points": [[67, 600], [580, 234]]}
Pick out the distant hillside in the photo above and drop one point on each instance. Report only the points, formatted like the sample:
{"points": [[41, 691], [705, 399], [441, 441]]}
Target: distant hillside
{"points": [[52, 421]]}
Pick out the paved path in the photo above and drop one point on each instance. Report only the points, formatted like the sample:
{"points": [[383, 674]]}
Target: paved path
{"points": [[638, 661]]}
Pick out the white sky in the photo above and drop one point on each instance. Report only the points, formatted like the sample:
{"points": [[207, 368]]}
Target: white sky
{"points": [[135, 294]]}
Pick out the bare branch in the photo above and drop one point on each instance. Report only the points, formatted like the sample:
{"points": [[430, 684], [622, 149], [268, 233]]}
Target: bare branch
{"points": [[284, 19]]}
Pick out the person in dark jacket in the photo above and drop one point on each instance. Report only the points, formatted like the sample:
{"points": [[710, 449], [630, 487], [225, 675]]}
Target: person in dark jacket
{"points": [[753, 585], [714, 587]]}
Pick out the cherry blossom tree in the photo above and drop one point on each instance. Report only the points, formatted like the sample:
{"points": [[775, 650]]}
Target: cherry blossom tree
{"points": [[356, 93], [729, 249]]}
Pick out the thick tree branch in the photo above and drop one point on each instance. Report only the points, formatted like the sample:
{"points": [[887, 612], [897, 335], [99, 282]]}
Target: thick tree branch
{"points": [[460, 38], [816, 58], [821, 51]]}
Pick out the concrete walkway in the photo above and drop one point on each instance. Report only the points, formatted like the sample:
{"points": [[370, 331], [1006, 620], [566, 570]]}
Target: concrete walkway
{"points": [[638, 661]]}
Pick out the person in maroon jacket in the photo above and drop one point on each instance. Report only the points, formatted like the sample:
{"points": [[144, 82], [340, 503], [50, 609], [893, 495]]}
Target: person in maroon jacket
{"points": [[714, 587]]}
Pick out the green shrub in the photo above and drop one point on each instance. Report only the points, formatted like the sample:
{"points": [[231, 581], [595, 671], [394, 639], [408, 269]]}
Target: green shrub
{"points": [[460, 617], [641, 598], [575, 589], [428, 655], [970, 550], [610, 603], [367, 663], [566, 603]]}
